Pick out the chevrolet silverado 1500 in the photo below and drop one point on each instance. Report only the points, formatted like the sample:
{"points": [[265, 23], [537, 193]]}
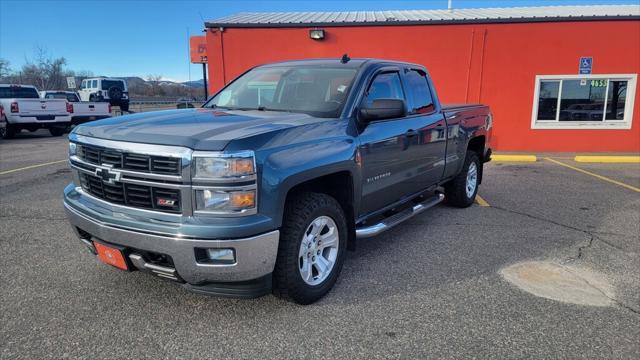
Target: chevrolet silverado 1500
{"points": [[267, 185]]}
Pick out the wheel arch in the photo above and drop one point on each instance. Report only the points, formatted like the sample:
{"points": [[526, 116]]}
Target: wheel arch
{"points": [[340, 186]]}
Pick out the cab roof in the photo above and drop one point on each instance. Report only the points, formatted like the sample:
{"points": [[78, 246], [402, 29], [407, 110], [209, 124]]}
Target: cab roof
{"points": [[337, 62]]}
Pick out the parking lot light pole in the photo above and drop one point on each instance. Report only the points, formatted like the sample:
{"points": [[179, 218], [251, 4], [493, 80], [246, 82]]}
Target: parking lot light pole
{"points": [[204, 77]]}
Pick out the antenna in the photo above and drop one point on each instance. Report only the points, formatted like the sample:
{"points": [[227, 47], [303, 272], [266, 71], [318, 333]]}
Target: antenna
{"points": [[345, 59]]}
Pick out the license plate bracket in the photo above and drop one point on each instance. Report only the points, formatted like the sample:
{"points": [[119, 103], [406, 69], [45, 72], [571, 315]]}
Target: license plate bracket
{"points": [[112, 255]]}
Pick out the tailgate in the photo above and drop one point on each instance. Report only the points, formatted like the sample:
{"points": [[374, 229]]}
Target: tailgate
{"points": [[42, 106], [91, 108]]}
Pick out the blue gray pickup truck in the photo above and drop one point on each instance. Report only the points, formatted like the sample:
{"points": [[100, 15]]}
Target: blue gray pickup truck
{"points": [[266, 187]]}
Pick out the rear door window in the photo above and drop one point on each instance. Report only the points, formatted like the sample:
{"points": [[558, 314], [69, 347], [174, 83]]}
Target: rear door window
{"points": [[418, 92]]}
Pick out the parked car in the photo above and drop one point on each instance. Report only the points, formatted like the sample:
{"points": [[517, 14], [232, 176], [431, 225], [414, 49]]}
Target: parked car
{"points": [[21, 108], [81, 111], [111, 90], [265, 191]]}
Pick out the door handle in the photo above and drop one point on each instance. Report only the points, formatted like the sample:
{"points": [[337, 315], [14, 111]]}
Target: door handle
{"points": [[411, 133]]}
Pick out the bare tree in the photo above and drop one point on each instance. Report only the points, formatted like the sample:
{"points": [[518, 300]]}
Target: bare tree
{"points": [[154, 81], [45, 72], [5, 70]]}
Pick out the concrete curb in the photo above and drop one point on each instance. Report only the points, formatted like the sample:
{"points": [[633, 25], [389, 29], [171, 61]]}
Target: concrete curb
{"points": [[613, 159], [514, 158]]}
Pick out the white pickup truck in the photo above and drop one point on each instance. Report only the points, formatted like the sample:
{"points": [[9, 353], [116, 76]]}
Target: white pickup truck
{"points": [[81, 111], [21, 108]]}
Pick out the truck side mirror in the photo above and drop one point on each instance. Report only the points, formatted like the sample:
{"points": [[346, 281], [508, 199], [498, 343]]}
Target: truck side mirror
{"points": [[382, 109]]}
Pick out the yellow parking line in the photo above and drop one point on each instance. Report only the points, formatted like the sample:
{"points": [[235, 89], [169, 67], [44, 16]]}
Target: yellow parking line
{"points": [[608, 159], [595, 175], [514, 158], [31, 167], [482, 202]]}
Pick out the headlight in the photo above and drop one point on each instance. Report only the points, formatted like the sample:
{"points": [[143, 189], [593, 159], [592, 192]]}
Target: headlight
{"points": [[73, 148], [224, 165], [215, 200]]}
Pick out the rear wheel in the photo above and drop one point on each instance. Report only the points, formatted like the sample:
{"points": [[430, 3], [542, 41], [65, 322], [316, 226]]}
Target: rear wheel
{"points": [[311, 250], [462, 190], [7, 131], [56, 131]]}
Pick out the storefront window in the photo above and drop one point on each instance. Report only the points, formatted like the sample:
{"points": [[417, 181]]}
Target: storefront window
{"points": [[591, 101]]}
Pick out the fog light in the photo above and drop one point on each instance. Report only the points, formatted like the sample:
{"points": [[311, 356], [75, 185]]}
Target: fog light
{"points": [[218, 256], [73, 148]]}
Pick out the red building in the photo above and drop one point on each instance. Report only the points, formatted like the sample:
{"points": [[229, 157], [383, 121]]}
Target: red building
{"points": [[557, 78]]}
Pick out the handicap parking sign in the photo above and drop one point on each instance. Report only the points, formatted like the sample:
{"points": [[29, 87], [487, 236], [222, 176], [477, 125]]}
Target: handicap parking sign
{"points": [[586, 64]]}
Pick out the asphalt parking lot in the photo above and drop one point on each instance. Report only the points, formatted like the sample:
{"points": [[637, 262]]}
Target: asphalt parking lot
{"points": [[430, 288]]}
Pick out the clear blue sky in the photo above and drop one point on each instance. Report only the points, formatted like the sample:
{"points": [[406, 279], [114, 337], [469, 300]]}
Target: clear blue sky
{"points": [[137, 38]]}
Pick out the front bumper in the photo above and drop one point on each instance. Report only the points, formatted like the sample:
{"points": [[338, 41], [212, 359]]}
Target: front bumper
{"points": [[255, 255]]}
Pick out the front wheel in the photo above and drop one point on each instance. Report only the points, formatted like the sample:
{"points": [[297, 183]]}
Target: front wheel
{"points": [[312, 246], [462, 190]]}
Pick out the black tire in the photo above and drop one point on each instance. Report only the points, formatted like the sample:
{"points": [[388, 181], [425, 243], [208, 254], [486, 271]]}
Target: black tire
{"points": [[7, 131], [300, 212], [455, 191], [92, 98], [124, 107], [56, 131]]}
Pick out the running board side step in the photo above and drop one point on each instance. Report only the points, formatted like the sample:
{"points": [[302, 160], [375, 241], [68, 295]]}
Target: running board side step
{"points": [[388, 223]]}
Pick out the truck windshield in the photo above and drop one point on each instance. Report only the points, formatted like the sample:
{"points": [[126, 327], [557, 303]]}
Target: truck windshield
{"points": [[18, 92], [317, 91]]}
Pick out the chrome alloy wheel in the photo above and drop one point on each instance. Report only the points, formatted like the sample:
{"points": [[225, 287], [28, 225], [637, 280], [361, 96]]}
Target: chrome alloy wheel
{"points": [[318, 250], [472, 179]]}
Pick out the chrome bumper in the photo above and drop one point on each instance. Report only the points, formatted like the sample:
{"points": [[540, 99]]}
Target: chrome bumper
{"points": [[255, 256]]}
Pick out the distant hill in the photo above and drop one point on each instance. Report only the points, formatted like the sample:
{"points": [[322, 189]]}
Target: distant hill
{"points": [[198, 84], [141, 87], [138, 81]]}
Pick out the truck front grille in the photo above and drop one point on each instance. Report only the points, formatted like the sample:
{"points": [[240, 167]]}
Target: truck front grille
{"points": [[133, 195], [128, 161]]}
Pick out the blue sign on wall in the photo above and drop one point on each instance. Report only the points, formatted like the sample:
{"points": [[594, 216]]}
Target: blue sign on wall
{"points": [[586, 64]]}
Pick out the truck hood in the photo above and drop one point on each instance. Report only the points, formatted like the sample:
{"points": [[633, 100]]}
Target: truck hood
{"points": [[198, 129]]}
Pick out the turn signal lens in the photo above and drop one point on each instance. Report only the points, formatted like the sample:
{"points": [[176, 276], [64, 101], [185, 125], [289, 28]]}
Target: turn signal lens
{"points": [[225, 201], [242, 166], [243, 199]]}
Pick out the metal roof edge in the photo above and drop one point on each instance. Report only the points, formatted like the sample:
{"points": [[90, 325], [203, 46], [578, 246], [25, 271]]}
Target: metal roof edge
{"points": [[213, 24]]}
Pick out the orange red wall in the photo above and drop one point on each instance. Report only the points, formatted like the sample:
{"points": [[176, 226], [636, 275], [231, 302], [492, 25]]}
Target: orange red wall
{"points": [[494, 64]]}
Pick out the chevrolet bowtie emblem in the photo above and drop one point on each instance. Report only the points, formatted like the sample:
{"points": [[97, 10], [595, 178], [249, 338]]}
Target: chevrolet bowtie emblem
{"points": [[107, 175]]}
